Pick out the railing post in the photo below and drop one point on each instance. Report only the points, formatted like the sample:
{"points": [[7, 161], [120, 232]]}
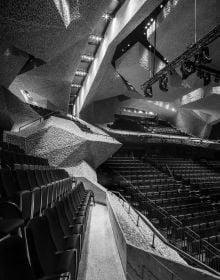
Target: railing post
{"points": [[153, 246], [138, 221]]}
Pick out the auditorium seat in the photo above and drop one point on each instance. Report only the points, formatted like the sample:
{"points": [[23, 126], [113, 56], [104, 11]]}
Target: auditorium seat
{"points": [[45, 257], [14, 262]]}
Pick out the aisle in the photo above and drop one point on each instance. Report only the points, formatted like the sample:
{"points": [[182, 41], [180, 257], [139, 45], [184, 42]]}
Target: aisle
{"points": [[100, 259]]}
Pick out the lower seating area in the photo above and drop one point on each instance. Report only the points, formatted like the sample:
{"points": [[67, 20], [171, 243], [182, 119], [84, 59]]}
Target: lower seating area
{"points": [[43, 219], [188, 217], [199, 176]]}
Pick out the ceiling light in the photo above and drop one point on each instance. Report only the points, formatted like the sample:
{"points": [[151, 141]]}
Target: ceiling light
{"points": [[76, 85], [128, 45], [161, 6], [80, 73], [151, 19], [95, 38], [107, 16], [150, 46], [148, 24], [87, 58]]}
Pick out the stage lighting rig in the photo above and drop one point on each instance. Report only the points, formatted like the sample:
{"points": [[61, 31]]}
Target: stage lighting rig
{"points": [[198, 50]]}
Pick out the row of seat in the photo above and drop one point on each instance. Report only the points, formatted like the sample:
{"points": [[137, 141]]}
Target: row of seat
{"points": [[51, 242], [8, 159], [33, 190], [10, 147]]}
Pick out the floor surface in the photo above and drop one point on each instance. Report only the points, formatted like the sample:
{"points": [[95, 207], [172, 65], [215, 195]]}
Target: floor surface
{"points": [[100, 259]]}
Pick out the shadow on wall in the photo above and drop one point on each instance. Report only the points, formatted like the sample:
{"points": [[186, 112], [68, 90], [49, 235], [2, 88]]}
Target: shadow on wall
{"points": [[13, 112]]}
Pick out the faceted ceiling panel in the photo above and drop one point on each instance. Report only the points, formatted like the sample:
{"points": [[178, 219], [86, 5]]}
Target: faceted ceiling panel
{"points": [[54, 31]]}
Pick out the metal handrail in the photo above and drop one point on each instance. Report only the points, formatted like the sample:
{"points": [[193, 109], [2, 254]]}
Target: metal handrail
{"points": [[155, 232], [38, 119], [166, 138], [139, 216]]}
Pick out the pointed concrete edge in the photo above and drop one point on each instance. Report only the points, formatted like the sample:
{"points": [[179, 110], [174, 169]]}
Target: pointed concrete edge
{"points": [[99, 191], [140, 264]]}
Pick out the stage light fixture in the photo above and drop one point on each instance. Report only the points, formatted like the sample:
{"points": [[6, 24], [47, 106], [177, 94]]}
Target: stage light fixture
{"points": [[207, 79], [203, 56], [163, 82], [217, 79], [187, 68], [200, 74], [148, 92]]}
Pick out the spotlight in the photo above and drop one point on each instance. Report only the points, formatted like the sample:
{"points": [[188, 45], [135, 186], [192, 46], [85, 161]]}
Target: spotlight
{"points": [[207, 79], [148, 92], [187, 68], [200, 74], [217, 79], [163, 82], [203, 56]]}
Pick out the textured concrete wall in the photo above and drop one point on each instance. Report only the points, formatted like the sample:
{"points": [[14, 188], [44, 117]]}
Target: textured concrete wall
{"points": [[65, 145], [83, 169]]}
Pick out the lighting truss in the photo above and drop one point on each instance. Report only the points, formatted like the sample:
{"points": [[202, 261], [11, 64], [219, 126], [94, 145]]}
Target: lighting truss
{"points": [[191, 51]]}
